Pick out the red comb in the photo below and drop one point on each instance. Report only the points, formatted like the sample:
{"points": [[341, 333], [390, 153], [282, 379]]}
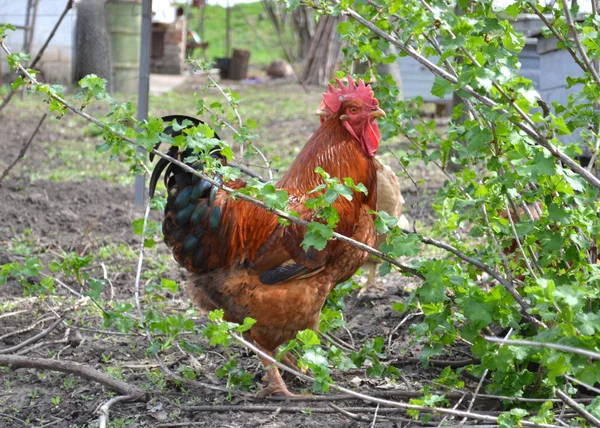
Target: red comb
{"points": [[333, 99]]}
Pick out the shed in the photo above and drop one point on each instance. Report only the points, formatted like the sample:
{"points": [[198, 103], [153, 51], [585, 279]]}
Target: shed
{"points": [[418, 80], [557, 65], [57, 64]]}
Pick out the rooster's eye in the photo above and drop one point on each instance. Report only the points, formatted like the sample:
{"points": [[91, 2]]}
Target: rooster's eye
{"points": [[353, 110]]}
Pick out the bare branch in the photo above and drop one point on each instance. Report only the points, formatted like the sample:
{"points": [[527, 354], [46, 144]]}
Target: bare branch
{"points": [[555, 346], [14, 362], [589, 67], [104, 409], [579, 409], [33, 339], [24, 148]]}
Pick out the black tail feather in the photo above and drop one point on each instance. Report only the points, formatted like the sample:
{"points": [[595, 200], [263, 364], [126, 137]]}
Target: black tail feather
{"points": [[173, 152]]}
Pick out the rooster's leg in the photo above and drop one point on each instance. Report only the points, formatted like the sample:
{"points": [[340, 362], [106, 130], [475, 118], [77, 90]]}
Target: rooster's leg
{"points": [[292, 362], [371, 281], [275, 384]]}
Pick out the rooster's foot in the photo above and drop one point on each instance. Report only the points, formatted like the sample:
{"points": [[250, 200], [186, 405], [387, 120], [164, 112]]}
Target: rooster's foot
{"points": [[275, 384], [370, 287]]}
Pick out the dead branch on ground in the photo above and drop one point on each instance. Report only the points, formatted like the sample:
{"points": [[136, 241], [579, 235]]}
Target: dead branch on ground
{"points": [[14, 362]]}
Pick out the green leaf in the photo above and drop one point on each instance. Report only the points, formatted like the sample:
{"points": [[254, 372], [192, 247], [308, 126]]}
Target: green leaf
{"points": [[18, 83], [246, 325], [344, 28], [96, 287], [543, 164], [216, 315], [4, 28], [441, 87], [169, 285], [478, 139], [308, 338], [316, 236]]}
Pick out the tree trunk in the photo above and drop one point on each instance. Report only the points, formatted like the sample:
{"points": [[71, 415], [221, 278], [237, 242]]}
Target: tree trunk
{"points": [[325, 52], [304, 24]]}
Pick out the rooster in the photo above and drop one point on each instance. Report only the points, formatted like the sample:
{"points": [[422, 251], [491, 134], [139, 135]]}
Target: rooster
{"points": [[242, 260], [389, 199]]}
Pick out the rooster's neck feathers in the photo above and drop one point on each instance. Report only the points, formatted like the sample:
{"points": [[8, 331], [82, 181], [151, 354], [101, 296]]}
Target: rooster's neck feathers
{"points": [[334, 149]]}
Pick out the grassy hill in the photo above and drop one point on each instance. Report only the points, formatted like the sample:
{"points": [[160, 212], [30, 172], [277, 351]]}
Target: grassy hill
{"points": [[251, 29]]}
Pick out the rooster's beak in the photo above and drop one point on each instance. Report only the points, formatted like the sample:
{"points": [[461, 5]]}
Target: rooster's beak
{"points": [[321, 113], [378, 113]]}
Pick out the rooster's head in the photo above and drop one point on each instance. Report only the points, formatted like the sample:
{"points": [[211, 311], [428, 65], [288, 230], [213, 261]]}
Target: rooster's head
{"points": [[356, 107]]}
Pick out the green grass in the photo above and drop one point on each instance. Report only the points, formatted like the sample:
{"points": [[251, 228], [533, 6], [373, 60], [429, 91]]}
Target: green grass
{"points": [[256, 35]]}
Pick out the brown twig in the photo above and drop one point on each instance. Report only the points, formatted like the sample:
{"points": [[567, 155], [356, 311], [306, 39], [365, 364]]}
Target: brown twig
{"points": [[14, 418], [104, 409], [12, 314], [14, 362], [24, 330], [579, 409], [33, 339], [556, 346], [24, 148], [348, 414], [438, 363], [580, 48], [585, 385]]}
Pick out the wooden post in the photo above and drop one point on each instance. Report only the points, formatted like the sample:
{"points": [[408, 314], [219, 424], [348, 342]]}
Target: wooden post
{"points": [[228, 30], [26, 27]]}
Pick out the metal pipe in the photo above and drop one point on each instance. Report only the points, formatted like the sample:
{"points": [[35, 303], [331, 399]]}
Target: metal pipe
{"points": [[144, 87]]}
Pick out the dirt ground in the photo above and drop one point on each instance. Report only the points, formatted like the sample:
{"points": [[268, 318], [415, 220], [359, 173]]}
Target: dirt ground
{"points": [[90, 215]]}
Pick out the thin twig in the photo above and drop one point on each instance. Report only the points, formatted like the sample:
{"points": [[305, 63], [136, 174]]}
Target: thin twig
{"points": [[33, 339], [580, 48], [518, 240], [41, 345], [579, 409], [404, 320], [24, 148], [556, 34], [445, 418], [112, 289], [104, 409], [240, 123], [375, 416], [579, 351], [474, 398], [348, 414], [585, 385], [14, 418], [138, 272], [12, 314]]}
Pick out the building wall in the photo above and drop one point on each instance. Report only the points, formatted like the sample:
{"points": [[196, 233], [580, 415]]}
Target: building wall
{"points": [[57, 63]]}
